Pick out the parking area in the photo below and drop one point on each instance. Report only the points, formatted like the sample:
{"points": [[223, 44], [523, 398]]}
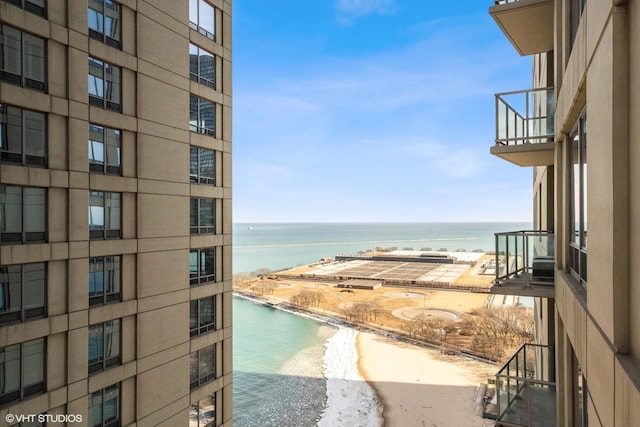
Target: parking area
{"points": [[392, 270]]}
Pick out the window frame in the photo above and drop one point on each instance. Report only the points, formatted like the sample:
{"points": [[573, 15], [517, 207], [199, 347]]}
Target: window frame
{"points": [[105, 167], [29, 6], [24, 235], [198, 227], [195, 309], [102, 21], [23, 57], [105, 233], [24, 390], [104, 297], [196, 358], [101, 394], [21, 158], [197, 113], [196, 60], [197, 277], [198, 417], [102, 99], [23, 314], [577, 262], [576, 7], [196, 162], [103, 362], [197, 25]]}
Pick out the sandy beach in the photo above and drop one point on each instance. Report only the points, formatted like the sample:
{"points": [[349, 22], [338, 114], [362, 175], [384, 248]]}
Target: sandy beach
{"points": [[422, 387]]}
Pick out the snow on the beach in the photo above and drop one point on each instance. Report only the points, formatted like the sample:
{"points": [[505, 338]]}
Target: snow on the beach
{"points": [[350, 399]]}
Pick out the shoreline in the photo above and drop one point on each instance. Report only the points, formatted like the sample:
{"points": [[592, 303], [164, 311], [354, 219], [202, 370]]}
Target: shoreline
{"points": [[396, 391], [339, 322], [351, 399]]}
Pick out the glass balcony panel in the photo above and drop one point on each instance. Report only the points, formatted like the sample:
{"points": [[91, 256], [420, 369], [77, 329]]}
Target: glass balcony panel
{"points": [[525, 258], [501, 121], [526, 388], [525, 117], [502, 388]]}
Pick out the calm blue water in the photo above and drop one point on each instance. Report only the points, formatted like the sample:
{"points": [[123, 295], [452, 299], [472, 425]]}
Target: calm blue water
{"points": [[277, 246], [277, 378], [277, 355]]}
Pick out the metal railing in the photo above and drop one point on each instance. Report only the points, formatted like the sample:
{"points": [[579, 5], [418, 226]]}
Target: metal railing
{"points": [[525, 117], [526, 387], [525, 256]]}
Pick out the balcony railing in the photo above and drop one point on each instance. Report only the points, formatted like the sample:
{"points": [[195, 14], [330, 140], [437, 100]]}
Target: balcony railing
{"points": [[524, 127], [528, 24], [525, 117], [526, 388], [525, 263]]}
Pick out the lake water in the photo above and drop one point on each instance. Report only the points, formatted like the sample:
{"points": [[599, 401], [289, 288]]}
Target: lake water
{"points": [[277, 246]]}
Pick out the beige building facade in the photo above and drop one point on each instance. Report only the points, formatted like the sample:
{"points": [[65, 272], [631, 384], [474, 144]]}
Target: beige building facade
{"points": [[586, 162], [115, 212]]}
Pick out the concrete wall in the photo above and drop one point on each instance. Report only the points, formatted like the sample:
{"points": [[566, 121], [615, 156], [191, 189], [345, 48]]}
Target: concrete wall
{"points": [[596, 321], [155, 188]]}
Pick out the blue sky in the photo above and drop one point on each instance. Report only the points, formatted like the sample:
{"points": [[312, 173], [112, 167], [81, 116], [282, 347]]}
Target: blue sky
{"points": [[372, 110]]}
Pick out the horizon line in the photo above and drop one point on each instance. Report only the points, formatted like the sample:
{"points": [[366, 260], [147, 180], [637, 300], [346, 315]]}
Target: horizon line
{"points": [[381, 222]]}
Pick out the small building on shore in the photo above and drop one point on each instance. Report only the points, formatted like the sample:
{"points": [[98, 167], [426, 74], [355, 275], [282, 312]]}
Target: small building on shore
{"points": [[369, 285]]}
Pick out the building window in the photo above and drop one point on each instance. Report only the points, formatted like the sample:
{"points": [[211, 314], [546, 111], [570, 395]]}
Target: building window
{"points": [[575, 15], [579, 392], [203, 413], [202, 18], [578, 200], [203, 366], [104, 345], [104, 20], [202, 116], [202, 317], [104, 84], [104, 407], [202, 266], [202, 218], [202, 66], [22, 292], [23, 136], [23, 212], [105, 210], [22, 369], [38, 7], [104, 280], [202, 166], [22, 58], [104, 150]]}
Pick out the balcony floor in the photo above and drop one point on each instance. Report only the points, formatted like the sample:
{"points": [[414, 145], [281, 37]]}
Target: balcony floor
{"points": [[525, 286], [543, 409]]}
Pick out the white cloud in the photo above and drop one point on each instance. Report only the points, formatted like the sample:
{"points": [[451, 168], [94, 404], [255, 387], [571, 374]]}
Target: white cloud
{"points": [[350, 9]]}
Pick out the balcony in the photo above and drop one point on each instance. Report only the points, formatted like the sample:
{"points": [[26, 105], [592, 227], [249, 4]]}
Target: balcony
{"points": [[528, 24], [524, 127], [525, 264], [526, 388]]}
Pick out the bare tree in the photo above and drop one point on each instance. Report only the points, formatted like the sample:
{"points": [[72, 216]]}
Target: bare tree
{"points": [[263, 288], [261, 272], [241, 280]]}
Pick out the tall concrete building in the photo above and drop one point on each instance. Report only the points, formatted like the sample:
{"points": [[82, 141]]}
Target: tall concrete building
{"points": [[115, 212], [579, 128]]}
